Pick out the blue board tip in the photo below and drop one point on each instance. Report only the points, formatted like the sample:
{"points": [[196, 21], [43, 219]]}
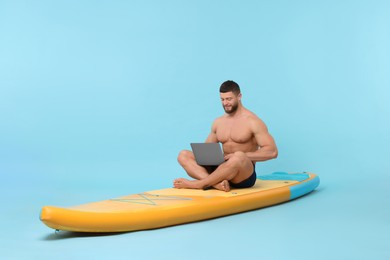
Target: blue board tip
{"points": [[281, 176]]}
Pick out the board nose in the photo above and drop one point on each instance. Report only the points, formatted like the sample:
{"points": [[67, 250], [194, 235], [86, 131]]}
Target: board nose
{"points": [[45, 214]]}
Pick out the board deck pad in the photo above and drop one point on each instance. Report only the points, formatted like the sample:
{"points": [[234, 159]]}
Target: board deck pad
{"points": [[166, 207]]}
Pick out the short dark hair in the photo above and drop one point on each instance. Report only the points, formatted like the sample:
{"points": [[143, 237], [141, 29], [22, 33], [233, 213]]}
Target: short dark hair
{"points": [[228, 86]]}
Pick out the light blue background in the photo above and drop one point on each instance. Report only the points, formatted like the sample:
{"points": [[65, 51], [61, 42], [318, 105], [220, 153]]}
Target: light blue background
{"points": [[98, 97]]}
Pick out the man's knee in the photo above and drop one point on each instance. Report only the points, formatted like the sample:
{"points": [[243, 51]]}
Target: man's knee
{"points": [[238, 159], [184, 156], [240, 155]]}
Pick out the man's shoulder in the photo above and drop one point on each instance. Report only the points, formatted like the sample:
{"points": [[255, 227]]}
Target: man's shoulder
{"points": [[218, 120], [221, 118], [254, 121], [251, 116]]}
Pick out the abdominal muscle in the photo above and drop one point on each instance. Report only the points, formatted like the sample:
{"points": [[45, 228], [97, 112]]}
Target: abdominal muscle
{"points": [[231, 147]]}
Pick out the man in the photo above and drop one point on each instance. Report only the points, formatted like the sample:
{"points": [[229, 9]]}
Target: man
{"points": [[245, 141]]}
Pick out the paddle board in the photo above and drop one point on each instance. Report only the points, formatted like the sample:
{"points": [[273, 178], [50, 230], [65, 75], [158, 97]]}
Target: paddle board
{"points": [[168, 207]]}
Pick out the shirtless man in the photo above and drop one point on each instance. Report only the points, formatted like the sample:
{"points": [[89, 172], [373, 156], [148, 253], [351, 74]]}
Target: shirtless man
{"points": [[245, 141]]}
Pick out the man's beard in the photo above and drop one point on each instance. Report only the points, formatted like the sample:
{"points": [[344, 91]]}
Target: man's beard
{"points": [[233, 109]]}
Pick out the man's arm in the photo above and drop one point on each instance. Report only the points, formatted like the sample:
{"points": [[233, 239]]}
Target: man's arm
{"points": [[267, 147], [212, 138]]}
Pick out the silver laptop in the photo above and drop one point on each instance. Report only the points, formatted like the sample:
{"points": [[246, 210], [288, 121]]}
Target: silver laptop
{"points": [[207, 154]]}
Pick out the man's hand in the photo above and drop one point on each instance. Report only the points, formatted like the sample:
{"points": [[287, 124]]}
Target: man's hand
{"points": [[228, 156]]}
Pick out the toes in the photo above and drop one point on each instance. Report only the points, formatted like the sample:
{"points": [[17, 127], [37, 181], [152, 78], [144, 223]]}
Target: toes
{"points": [[178, 183], [226, 186]]}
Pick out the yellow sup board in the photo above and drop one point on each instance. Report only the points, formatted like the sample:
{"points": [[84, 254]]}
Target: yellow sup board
{"points": [[168, 207]]}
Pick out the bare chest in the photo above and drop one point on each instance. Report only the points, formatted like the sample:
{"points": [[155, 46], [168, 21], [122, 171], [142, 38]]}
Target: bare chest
{"points": [[236, 131]]}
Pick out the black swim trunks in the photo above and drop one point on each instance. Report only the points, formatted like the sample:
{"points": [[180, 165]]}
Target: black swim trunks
{"points": [[247, 183]]}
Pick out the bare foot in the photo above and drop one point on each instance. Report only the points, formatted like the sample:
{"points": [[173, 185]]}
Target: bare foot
{"points": [[182, 183], [223, 186]]}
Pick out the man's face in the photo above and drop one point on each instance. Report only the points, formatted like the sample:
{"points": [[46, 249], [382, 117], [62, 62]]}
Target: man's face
{"points": [[230, 101]]}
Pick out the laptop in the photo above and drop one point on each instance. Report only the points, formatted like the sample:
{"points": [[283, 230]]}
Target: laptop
{"points": [[207, 154]]}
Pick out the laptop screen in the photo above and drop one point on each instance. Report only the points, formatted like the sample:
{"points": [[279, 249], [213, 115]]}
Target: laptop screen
{"points": [[208, 153]]}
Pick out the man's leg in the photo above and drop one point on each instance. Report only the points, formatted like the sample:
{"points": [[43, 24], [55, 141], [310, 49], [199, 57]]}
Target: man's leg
{"points": [[238, 168], [187, 160]]}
